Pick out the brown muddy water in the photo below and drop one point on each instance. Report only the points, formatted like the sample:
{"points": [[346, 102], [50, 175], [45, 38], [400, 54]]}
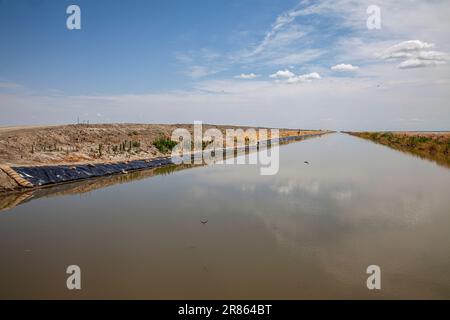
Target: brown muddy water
{"points": [[308, 232]]}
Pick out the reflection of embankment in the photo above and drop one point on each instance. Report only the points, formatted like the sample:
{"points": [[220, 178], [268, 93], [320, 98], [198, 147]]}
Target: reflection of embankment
{"points": [[434, 146], [84, 186], [11, 200]]}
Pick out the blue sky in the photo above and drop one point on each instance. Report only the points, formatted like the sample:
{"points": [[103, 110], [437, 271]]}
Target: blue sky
{"points": [[123, 46], [308, 64]]}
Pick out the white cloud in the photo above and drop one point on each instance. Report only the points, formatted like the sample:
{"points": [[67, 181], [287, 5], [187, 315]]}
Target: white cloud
{"points": [[405, 49], [433, 55], [344, 67], [415, 53], [417, 63], [304, 78], [287, 76], [281, 33], [280, 74], [284, 43], [246, 76]]}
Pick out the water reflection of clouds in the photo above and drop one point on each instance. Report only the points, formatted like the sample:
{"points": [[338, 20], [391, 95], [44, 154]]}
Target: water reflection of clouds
{"points": [[342, 196], [355, 204], [294, 186], [247, 188]]}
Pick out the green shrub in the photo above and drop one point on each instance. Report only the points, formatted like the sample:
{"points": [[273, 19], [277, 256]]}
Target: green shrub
{"points": [[164, 145], [417, 140], [423, 139], [387, 135]]}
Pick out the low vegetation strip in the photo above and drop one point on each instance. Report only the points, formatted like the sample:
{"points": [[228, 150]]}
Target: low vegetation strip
{"points": [[430, 145]]}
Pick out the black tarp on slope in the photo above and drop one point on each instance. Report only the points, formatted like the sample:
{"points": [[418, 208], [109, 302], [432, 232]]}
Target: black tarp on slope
{"points": [[39, 176]]}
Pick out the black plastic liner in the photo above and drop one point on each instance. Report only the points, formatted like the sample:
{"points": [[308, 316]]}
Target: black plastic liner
{"points": [[39, 176]]}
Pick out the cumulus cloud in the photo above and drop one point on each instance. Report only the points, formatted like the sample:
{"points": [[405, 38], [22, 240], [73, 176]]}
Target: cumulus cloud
{"points": [[280, 74], [287, 76], [304, 78], [344, 67], [246, 76], [415, 54], [406, 48]]}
